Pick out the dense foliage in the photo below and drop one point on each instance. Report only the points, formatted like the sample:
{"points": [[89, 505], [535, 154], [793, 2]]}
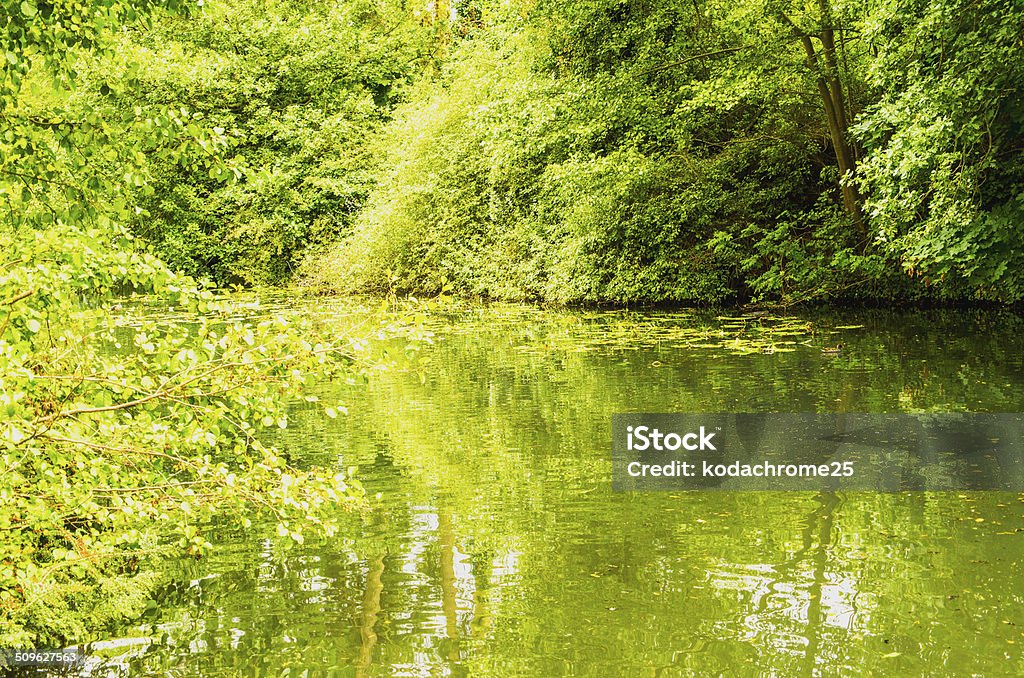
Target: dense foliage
{"points": [[944, 168], [123, 442], [610, 150], [587, 151], [296, 89]]}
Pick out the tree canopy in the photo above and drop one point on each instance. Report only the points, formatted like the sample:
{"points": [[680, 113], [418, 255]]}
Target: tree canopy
{"points": [[623, 151], [125, 440]]}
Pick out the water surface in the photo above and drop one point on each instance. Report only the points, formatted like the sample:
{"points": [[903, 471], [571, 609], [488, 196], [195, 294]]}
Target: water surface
{"points": [[498, 548]]}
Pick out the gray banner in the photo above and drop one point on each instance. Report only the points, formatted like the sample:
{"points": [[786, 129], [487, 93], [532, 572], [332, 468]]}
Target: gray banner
{"points": [[801, 452]]}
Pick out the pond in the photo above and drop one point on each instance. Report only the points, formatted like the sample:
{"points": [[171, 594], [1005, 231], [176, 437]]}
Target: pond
{"points": [[498, 548]]}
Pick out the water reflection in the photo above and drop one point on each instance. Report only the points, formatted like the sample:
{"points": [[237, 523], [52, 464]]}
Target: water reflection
{"points": [[499, 548]]}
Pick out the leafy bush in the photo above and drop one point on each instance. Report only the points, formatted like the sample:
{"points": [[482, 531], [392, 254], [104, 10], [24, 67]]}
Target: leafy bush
{"points": [[607, 151], [121, 444], [505, 181], [297, 94], [945, 164]]}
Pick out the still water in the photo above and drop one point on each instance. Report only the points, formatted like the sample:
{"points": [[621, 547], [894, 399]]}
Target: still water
{"points": [[498, 548]]}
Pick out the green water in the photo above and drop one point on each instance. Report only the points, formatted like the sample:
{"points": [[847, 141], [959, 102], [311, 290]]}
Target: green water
{"points": [[499, 549]]}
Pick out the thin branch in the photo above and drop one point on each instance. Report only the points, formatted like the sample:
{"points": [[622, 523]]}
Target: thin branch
{"points": [[17, 297], [122, 450], [688, 59], [166, 391], [14, 262], [151, 488], [9, 303]]}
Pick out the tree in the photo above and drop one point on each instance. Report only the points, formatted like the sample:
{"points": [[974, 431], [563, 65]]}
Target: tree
{"points": [[830, 89], [123, 442], [944, 142], [298, 94]]}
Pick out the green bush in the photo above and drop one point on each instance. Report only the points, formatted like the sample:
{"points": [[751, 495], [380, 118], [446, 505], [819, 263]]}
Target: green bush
{"points": [[297, 93]]}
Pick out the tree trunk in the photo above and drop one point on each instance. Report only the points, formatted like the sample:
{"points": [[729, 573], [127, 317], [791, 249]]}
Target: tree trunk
{"points": [[830, 88], [845, 154]]}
